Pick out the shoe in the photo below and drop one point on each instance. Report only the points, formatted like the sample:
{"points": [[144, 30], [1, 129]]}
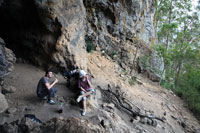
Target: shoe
{"points": [[83, 113], [44, 98], [51, 102], [78, 99]]}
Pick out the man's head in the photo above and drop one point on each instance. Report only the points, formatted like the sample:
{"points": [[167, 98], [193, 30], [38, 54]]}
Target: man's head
{"points": [[48, 74], [82, 74]]}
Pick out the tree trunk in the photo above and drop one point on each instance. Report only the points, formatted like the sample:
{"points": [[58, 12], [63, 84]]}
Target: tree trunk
{"points": [[169, 22], [178, 73]]}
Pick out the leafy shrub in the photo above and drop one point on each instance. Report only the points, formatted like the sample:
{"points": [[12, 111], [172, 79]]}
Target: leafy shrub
{"points": [[167, 84], [132, 81], [144, 61], [89, 46], [110, 53], [99, 23], [125, 72], [189, 89]]}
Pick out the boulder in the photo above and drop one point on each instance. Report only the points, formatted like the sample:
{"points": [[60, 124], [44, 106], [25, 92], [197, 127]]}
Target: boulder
{"points": [[7, 59], [12, 110], [24, 125], [3, 60], [58, 125], [9, 128], [8, 89], [75, 125], [3, 103], [27, 124], [145, 67], [3, 120]]}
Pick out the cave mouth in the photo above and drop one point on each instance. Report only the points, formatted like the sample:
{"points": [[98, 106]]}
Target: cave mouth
{"points": [[23, 31]]}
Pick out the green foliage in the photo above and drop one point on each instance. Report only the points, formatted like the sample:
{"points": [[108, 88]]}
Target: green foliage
{"points": [[167, 84], [125, 72], [111, 53], [99, 23], [132, 80], [89, 46], [178, 44]]}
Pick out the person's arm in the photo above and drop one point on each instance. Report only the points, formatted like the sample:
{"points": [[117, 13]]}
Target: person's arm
{"points": [[83, 89], [49, 86], [88, 80], [80, 87]]}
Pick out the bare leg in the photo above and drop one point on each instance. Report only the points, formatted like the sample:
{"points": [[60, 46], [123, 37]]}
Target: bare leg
{"points": [[86, 94], [84, 105]]}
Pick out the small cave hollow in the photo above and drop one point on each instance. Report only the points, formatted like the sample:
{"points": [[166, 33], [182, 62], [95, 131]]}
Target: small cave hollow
{"points": [[23, 31]]}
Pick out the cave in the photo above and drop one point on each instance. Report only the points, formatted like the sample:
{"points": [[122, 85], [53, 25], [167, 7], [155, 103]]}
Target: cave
{"points": [[24, 32]]}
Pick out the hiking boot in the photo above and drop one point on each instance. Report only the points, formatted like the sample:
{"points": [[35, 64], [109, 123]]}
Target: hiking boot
{"points": [[51, 101], [83, 113], [79, 99]]}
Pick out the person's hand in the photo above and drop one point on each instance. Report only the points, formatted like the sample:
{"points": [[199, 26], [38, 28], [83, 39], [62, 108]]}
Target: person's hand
{"points": [[87, 77], [56, 80], [83, 90]]}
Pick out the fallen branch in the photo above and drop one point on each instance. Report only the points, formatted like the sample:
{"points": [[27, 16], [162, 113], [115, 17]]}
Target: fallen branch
{"points": [[120, 102]]}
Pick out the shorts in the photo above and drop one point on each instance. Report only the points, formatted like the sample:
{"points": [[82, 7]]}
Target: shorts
{"points": [[82, 92]]}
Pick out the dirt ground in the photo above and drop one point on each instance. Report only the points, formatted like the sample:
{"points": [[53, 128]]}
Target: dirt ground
{"points": [[145, 94], [25, 78]]}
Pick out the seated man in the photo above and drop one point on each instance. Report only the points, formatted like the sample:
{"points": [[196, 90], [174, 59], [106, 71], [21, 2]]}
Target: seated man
{"points": [[84, 85], [45, 88]]}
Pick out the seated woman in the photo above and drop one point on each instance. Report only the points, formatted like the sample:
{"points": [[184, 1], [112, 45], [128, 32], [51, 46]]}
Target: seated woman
{"points": [[84, 85]]}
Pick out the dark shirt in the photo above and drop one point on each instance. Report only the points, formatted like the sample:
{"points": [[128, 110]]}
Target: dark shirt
{"points": [[41, 88], [84, 84]]}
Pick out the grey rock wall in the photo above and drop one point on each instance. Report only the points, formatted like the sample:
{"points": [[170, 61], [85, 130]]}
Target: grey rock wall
{"points": [[67, 17], [56, 31], [45, 32], [125, 19], [124, 30]]}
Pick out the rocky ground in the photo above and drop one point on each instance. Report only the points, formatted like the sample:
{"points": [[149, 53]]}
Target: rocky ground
{"points": [[105, 114]]}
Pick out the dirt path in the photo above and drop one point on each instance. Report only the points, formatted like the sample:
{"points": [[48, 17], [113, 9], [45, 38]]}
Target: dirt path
{"points": [[146, 95], [25, 78]]}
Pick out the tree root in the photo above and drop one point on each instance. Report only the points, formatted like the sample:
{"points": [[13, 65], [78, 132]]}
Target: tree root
{"points": [[125, 105]]}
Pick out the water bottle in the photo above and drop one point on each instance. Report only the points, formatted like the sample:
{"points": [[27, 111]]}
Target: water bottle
{"points": [[60, 108]]}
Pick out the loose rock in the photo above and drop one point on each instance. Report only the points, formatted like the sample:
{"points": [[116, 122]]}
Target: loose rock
{"points": [[12, 110]]}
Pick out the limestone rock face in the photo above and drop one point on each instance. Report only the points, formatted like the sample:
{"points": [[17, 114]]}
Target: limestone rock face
{"points": [[68, 18], [125, 19], [52, 34], [58, 31], [122, 28]]}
